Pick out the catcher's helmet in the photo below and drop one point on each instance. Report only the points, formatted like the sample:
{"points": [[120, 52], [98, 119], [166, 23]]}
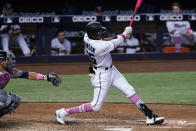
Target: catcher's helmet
{"points": [[8, 7], [9, 58], [95, 28]]}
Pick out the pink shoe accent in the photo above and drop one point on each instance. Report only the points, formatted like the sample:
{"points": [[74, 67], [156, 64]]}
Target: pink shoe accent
{"points": [[39, 77], [88, 107], [82, 108], [135, 99], [73, 110]]}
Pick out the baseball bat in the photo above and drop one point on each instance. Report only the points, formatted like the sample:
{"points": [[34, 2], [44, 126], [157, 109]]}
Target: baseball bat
{"points": [[135, 11]]}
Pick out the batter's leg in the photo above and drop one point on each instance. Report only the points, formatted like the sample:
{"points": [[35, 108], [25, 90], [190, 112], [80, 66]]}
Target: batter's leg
{"points": [[23, 45], [121, 84], [101, 86], [5, 42]]}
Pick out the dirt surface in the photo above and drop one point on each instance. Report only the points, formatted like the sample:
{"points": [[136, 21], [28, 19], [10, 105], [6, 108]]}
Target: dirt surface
{"points": [[119, 117], [40, 116], [124, 67]]}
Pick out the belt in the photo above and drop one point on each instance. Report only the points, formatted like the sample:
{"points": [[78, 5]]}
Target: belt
{"points": [[106, 68]]}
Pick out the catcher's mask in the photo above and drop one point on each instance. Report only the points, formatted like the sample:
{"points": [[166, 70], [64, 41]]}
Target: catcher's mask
{"points": [[9, 58], [95, 30]]}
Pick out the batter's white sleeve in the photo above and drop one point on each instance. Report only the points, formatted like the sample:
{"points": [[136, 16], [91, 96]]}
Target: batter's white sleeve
{"points": [[117, 41], [108, 46]]}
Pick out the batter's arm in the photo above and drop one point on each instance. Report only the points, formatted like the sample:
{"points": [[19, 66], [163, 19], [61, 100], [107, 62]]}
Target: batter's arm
{"points": [[120, 38], [108, 46]]}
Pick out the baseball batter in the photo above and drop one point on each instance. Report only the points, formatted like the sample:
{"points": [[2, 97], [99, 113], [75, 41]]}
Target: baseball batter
{"points": [[180, 31], [9, 102], [9, 32], [104, 75]]}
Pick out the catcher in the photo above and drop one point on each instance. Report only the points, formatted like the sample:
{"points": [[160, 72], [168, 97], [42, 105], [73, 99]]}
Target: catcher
{"points": [[9, 102]]}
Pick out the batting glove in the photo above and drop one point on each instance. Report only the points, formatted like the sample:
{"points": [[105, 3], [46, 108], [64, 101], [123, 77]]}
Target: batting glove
{"points": [[128, 30]]}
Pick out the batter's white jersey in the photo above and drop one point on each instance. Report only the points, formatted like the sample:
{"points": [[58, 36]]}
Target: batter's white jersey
{"points": [[105, 75], [99, 50]]}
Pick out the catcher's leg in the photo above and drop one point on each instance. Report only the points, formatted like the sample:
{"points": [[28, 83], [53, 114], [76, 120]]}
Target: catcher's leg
{"points": [[8, 103], [121, 83], [101, 86]]}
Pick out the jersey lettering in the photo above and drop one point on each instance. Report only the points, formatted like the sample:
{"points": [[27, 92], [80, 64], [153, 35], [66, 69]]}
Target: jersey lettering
{"points": [[89, 47], [92, 57]]}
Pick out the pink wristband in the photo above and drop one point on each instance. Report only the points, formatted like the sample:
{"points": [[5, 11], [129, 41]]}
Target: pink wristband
{"points": [[123, 36], [39, 77]]}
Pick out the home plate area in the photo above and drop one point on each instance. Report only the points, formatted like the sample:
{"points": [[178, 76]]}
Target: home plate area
{"points": [[131, 125]]}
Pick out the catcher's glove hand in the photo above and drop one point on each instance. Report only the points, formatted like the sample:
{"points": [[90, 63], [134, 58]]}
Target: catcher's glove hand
{"points": [[54, 78]]}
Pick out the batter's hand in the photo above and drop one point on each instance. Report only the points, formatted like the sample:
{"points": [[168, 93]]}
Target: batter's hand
{"points": [[128, 30], [54, 78]]}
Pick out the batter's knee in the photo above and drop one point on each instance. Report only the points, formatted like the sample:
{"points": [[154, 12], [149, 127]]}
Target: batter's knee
{"points": [[129, 91]]}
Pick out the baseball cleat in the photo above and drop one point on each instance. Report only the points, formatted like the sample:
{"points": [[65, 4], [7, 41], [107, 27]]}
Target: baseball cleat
{"points": [[61, 115], [154, 120]]}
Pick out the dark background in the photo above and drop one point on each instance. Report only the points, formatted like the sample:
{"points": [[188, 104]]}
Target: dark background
{"points": [[59, 6]]}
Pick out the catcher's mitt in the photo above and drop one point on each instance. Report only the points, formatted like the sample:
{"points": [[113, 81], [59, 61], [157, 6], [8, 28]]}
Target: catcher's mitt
{"points": [[54, 78]]}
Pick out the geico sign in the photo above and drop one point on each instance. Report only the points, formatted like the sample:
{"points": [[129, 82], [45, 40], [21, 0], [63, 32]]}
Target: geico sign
{"points": [[192, 17], [31, 19], [84, 18], [171, 17], [127, 18]]}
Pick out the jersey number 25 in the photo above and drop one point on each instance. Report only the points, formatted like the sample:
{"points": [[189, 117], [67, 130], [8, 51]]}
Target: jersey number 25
{"points": [[92, 57]]}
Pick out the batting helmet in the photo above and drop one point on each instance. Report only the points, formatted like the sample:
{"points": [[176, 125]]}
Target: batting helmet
{"points": [[95, 28]]}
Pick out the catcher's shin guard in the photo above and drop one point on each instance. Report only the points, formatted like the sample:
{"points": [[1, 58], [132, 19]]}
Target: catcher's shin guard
{"points": [[9, 102]]}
